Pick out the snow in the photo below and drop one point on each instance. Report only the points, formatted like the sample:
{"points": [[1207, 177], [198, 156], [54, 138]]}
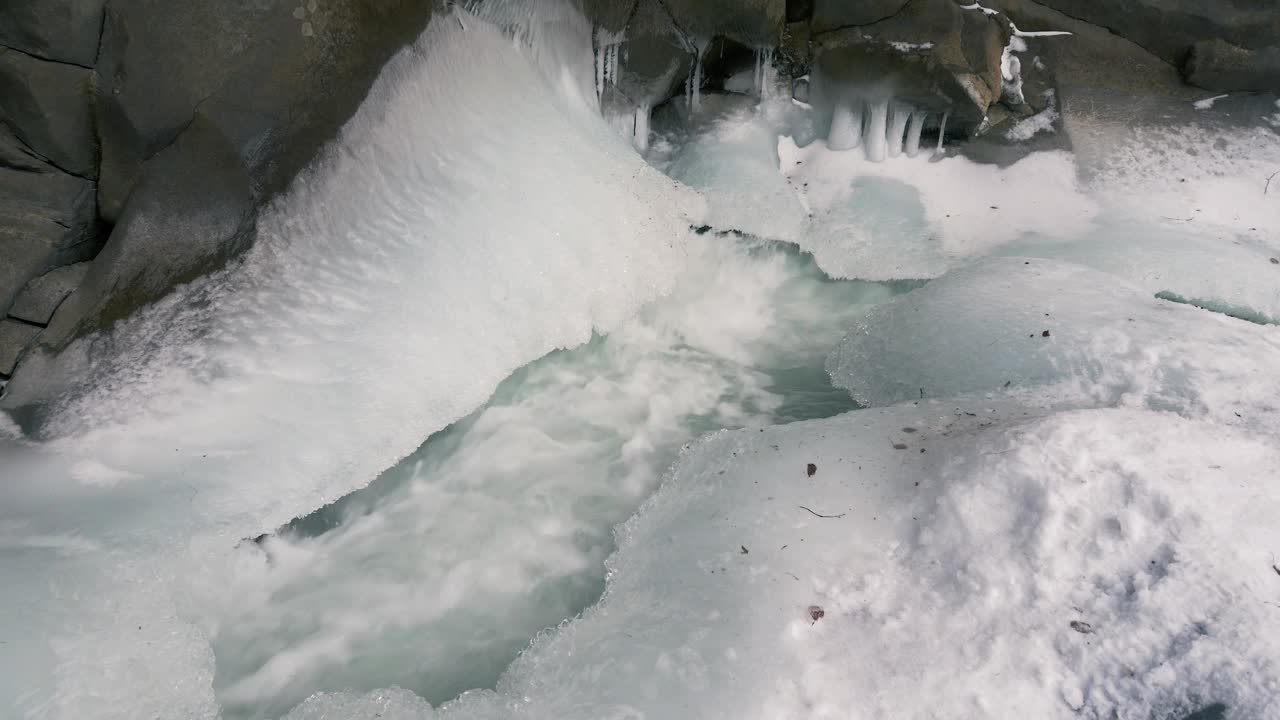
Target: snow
{"points": [[1208, 102]]}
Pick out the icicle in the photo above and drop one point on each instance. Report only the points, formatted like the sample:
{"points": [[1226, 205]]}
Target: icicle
{"points": [[600, 63], [764, 70], [640, 135], [913, 133], [898, 126], [693, 86], [876, 135], [846, 125], [942, 131]]}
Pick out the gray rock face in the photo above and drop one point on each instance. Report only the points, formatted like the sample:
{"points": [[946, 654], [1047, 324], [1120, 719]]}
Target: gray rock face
{"points": [[46, 105], [932, 54], [15, 338], [61, 30], [277, 79], [1168, 28], [755, 23], [191, 210], [835, 14], [611, 15], [1220, 66], [15, 154], [37, 301], [47, 219]]}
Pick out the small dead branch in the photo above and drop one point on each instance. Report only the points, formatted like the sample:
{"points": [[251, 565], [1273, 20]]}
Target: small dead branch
{"points": [[818, 514]]}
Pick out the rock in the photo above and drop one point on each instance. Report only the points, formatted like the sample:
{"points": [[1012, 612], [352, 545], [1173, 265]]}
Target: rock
{"points": [[610, 15], [60, 30], [15, 338], [754, 23], [48, 220], [1168, 28], [1222, 67], [277, 79], [191, 211], [932, 54], [42, 295], [657, 60], [835, 14], [15, 154], [1095, 66], [47, 106]]}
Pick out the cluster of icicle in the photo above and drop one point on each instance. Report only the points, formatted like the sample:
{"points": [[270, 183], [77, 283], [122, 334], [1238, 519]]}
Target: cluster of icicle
{"points": [[886, 128], [608, 55]]}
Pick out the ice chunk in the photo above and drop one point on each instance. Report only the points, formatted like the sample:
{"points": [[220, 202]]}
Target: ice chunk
{"points": [[924, 217], [1018, 322]]}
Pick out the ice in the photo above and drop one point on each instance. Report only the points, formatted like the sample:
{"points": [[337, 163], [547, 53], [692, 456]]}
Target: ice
{"points": [[732, 159], [846, 125], [1019, 322], [876, 132], [475, 214], [912, 219], [913, 132]]}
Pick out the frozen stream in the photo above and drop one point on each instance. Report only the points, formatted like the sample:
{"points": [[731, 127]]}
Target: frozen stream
{"points": [[439, 572]]}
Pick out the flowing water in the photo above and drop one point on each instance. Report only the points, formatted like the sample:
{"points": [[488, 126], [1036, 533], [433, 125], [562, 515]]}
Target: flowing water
{"points": [[438, 573]]}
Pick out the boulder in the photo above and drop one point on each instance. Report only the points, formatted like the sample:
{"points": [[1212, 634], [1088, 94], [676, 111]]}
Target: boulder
{"points": [[754, 23], [1222, 67], [43, 294], [15, 155], [1168, 28], [277, 79], [15, 338], [835, 14], [47, 106], [60, 30], [657, 59], [609, 15], [191, 211], [47, 219], [932, 54]]}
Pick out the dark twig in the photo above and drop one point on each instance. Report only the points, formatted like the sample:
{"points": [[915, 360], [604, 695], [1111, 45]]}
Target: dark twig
{"points": [[817, 514], [1267, 187]]}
